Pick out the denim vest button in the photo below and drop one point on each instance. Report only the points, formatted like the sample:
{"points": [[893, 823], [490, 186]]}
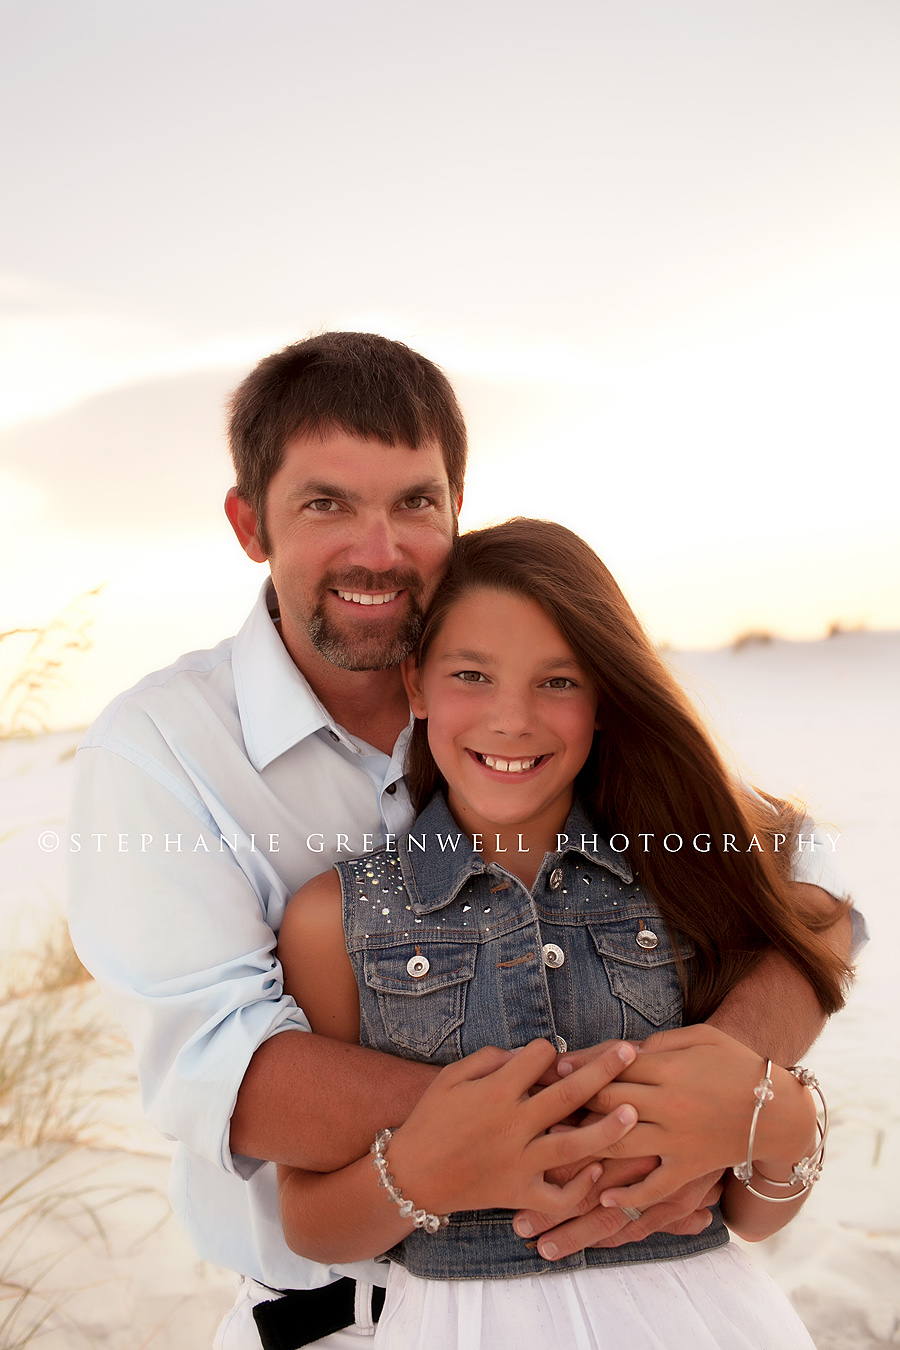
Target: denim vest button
{"points": [[417, 966], [647, 939], [556, 879], [553, 956], [561, 1045]]}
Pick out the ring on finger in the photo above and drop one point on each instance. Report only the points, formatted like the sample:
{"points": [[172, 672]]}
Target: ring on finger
{"points": [[630, 1212]]}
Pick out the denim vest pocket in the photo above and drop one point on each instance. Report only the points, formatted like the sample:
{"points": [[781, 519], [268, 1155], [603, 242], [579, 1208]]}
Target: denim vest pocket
{"points": [[420, 1012], [644, 978]]}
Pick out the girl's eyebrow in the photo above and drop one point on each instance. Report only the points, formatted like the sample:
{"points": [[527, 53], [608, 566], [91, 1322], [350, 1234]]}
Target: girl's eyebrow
{"points": [[485, 659], [464, 654]]}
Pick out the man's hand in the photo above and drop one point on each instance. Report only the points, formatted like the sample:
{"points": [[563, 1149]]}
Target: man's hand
{"points": [[591, 1225], [693, 1090], [685, 1211]]}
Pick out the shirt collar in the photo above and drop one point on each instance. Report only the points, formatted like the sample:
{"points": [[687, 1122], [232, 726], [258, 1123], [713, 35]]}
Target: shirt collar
{"points": [[435, 872], [277, 708]]}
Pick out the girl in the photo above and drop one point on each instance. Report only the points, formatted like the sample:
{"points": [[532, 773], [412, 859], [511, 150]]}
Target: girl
{"points": [[533, 904]]}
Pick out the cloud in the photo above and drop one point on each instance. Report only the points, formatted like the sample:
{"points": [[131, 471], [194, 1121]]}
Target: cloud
{"points": [[149, 457]]}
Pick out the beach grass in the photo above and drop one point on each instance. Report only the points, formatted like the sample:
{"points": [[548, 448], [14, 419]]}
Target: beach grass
{"points": [[53, 1046]]}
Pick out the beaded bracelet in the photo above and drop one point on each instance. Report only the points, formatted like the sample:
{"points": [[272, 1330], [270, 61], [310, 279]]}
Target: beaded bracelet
{"points": [[807, 1171], [430, 1223]]}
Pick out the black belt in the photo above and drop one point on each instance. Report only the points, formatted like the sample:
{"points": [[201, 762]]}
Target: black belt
{"points": [[301, 1316]]}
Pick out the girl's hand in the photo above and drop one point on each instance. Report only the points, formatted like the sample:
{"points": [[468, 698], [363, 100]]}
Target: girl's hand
{"points": [[693, 1089], [478, 1140]]}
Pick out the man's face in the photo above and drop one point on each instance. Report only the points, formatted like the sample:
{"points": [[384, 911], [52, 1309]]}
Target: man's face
{"points": [[359, 534]]}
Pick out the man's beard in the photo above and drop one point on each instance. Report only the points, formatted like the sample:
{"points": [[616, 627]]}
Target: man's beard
{"points": [[369, 651]]}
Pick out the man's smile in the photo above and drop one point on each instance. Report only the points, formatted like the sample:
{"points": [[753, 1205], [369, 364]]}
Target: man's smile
{"points": [[367, 597]]}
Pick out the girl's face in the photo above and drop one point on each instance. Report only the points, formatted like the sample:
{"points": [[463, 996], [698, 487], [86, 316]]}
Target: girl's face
{"points": [[511, 712]]}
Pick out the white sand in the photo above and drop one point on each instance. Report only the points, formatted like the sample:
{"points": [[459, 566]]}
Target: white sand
{"points": [[815, 719]]}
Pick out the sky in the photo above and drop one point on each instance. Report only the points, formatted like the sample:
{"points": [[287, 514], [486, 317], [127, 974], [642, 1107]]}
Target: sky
{"points": [[653, 244]]}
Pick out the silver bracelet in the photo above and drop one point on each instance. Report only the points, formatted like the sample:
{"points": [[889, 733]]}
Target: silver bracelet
{"points": [[421, 1219], [807, 1171]]}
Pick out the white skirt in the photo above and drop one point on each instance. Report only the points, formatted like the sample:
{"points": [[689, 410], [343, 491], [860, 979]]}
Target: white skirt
{"points": [[714, 1301]]}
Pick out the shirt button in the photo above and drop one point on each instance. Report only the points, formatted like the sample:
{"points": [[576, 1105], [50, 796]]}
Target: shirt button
{"points": [[561, 1045], [417, 966], [334, 736], [646, 938], [553, 956], [556, 879], [391, 788]]}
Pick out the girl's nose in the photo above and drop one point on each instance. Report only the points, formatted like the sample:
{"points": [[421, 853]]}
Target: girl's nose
{"points": [[510, 714]]}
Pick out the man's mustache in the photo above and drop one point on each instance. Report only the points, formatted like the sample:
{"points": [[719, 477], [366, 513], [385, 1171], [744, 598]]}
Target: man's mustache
{"points": [[356, 579]]}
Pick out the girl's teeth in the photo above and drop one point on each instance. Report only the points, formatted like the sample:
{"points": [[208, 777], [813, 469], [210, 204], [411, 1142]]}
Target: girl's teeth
{"points": [[509, 765]]}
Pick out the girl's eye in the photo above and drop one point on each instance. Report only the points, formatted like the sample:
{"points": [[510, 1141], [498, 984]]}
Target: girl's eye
{"points": [[470, 676], [560, 682]]}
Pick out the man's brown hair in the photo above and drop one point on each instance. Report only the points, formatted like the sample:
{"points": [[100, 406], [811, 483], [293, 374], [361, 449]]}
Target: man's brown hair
{"points": [[653, 768], [366, 385]]}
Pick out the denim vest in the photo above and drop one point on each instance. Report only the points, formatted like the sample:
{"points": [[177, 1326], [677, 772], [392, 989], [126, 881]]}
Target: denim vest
{"points": [[452, 954]]}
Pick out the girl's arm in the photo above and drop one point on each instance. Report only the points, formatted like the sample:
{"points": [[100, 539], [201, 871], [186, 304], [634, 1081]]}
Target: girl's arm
{"points": [[675, 1070], [317, 972], [476, 1140]]}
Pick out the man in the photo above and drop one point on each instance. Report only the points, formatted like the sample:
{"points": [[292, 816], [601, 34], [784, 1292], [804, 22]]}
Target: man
{"points": [[210, 792]]}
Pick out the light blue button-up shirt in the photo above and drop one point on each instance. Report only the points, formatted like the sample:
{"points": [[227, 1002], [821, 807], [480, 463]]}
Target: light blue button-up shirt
{"points": [[203, 798]]}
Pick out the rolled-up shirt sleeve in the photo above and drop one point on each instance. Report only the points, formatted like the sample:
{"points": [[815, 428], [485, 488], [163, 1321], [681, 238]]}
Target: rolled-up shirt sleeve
{"points": [[173, 923], [815, 863]]}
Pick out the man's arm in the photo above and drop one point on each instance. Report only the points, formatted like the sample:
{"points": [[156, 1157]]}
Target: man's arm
{"points": [[315, 1103], [176, 935], [774, 1010]]}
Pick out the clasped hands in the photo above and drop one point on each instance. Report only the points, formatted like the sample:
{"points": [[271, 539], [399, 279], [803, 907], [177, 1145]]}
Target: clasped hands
{"points": [[666, 1119]]}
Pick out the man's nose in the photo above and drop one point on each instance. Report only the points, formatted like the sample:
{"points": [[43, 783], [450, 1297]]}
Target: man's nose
{"points": [[375, 545]]}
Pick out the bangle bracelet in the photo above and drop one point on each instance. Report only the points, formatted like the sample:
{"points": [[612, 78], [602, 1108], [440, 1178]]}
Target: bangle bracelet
{"points": [[763, 1093], [421, 1219], [807, 1171]]}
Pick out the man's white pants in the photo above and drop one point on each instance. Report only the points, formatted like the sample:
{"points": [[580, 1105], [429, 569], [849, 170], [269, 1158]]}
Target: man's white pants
{"points": [[237, 1330]]}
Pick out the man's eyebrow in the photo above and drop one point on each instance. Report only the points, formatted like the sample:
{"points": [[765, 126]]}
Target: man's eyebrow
{"points": [[314, 488], [433, 487]]}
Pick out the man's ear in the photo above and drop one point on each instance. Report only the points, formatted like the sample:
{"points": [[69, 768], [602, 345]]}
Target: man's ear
{"points": [[413, 685], [243, 521]]}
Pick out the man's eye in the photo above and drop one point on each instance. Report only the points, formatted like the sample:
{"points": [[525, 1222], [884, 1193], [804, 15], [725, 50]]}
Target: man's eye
{"points": [[417, 503], [322, 505]]}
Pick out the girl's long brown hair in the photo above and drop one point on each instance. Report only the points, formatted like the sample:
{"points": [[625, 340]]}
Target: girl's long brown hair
{"points": [[652, 769]]}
